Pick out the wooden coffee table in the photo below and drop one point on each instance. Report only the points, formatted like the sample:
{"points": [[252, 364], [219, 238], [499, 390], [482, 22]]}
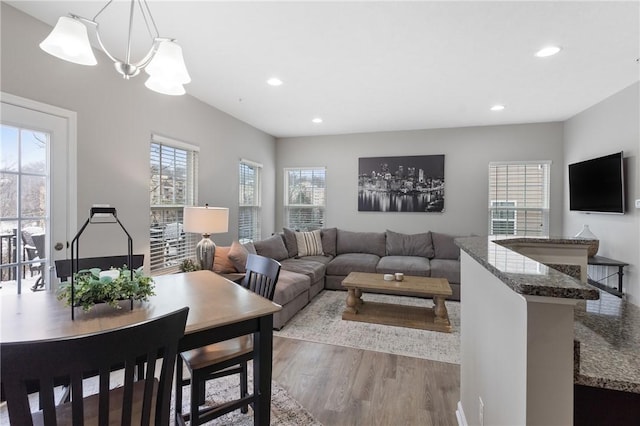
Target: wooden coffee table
{"points": [[436, 318]]}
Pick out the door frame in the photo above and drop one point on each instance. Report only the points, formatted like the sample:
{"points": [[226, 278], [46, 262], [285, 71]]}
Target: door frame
{"points": [[71, 118]]}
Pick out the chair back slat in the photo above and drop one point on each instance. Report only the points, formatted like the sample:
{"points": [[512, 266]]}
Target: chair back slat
{"points": [[262, 275], [51, 362]]}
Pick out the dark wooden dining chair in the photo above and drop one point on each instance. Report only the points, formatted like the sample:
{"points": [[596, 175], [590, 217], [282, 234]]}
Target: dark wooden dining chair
{"points": [[227, 357], [140, 402]]}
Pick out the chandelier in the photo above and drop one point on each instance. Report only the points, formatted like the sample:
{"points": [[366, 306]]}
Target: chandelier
{"points": [[163, 62]]}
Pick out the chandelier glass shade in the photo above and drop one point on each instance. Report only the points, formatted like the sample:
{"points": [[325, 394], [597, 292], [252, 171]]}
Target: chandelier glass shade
{"points": [[69, 41], [163, 62]]}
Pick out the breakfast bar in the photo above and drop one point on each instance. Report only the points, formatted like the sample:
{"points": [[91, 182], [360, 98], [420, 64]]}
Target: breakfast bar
{"points": [[567, 351], [517, 335]]}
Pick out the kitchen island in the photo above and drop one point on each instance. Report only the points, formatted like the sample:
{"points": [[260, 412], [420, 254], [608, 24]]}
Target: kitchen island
{"points": [[517, 333]]}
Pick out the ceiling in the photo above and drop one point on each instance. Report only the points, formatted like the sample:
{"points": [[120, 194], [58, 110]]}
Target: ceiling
{"points": [[384, 66]]}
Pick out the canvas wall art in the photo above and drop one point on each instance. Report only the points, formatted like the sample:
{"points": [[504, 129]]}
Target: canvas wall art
{"points": [[401, 184]]}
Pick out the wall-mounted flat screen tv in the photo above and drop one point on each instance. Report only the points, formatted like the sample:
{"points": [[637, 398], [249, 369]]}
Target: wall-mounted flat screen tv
{"points": [[597, 185]]}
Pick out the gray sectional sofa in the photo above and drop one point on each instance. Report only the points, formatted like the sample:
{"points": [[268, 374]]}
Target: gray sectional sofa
{"points": [[428, 254]]}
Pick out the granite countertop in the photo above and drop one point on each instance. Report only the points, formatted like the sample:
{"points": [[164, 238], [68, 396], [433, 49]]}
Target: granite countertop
{"points": [[606, 328], [608, 332], [523, 274]]}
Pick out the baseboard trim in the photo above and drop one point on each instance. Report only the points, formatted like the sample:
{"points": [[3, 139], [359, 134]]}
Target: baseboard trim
{"points": [[462, 420]]}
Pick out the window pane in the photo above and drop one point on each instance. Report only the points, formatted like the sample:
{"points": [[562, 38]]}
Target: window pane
{"points": [[519, 198], [9, 149], [9, 190], [33, 153], [34, 196], [249, 211], [305, 218], [171, 187], [306, 198]]}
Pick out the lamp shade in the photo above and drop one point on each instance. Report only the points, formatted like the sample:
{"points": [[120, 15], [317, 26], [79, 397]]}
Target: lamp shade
{"points": [[168, 65], [69, 41], [163, 87], [206, 220]]}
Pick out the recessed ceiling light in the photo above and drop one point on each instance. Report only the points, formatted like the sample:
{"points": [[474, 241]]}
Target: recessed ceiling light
{"points": [[497, 108], [317, 120], [274, 81], [547, 51]]}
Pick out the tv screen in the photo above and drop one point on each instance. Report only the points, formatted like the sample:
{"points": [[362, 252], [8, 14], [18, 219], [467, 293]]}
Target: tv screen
{"points": [[597, 185]]}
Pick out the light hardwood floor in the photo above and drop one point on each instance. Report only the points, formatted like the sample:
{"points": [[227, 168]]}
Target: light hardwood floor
{"points": [[346, 386]]}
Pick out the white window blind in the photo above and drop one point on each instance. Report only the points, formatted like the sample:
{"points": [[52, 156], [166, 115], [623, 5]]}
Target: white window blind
{"points": [[305, 198], [250, 202], [519, 198], [174, 169]]}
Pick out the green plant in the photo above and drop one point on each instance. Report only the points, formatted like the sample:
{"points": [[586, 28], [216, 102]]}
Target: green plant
{"points": [[91, 288], [189, 265]]}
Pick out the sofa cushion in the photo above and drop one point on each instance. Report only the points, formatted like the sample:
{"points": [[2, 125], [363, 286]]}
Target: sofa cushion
{"points": [[221, 262], [409, 265], [446, 268], [320, 259], [361, 242], [314, 270], [290, 241], [272, 247], [289, 286], [342, 264], [329, 237], [409, 244], [309, 243], [238, 255], [444, 246]]}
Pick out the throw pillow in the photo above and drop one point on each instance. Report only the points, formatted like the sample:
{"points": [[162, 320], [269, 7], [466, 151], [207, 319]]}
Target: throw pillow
{"points": [[272, 247], [290, 241], [444, 246], [238, 255], [409, 244], [221, 262], [329, 237], [309, 243], [361, 242]]}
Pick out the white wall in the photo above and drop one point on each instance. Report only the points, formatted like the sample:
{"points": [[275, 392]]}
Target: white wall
{"points": [[467, 151], [115, 121], [610, 126], [516, 353]]}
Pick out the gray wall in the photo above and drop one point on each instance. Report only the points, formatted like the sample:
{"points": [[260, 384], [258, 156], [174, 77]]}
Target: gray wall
{"points": [[610, 126], [467, 151], [115, 121]]}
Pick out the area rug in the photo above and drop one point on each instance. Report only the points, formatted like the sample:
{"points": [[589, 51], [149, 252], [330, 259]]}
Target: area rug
{"points": [[285, 411], [321, 321]]}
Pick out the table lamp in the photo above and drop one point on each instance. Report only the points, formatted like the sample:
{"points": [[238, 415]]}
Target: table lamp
{"points": [[206, 221]]}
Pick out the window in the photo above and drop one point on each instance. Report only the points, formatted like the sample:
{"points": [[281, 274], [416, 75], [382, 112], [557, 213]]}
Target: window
{"points": [[250, 202], [305, 198], [503, 218], [174, 169], [519, 198]]}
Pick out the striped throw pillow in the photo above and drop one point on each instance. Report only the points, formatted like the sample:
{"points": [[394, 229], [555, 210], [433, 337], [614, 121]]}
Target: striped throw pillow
{"points": [[309, 243]]}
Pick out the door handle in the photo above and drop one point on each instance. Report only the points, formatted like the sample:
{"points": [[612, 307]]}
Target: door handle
{"points": [[59, 246]]}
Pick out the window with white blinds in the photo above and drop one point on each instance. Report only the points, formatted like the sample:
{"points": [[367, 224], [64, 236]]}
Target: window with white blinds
{"points": [[305, 198], [250, 202], [519, 198], [174, 169]]}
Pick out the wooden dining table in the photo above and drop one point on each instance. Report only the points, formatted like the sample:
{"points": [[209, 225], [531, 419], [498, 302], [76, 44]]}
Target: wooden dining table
{"points": [[218, 310]]}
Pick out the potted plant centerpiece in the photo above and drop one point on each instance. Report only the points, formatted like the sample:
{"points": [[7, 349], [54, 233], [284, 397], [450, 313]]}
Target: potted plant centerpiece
{"points": [[93, 286]]}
